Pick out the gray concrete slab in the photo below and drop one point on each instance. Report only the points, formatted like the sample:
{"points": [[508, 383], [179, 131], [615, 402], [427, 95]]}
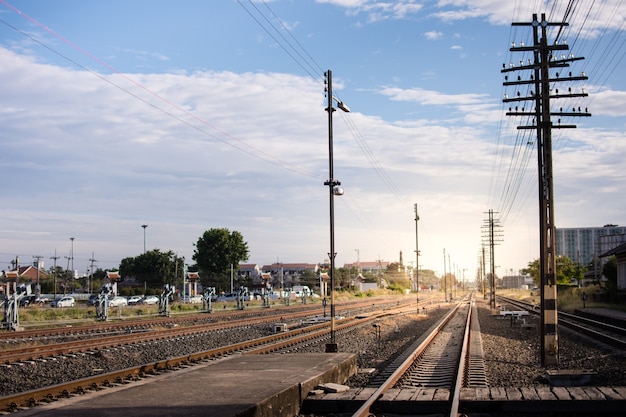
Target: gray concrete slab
{"points": [[245, 385]]}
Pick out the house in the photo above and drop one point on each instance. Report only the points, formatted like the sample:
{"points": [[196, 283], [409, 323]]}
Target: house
{"points": [[620, 257], [29, 272], [288, 274], [368, 267], [250, 273]]}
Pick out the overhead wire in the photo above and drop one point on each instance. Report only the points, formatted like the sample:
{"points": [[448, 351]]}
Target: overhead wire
{"points": [[222, 136], [304, 60], [288, 50], [346, 118], [605, 56]]}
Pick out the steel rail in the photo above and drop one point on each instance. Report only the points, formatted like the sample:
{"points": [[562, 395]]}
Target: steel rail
{"points": [[364, 410], [572, 321], [117, 324], [460, 375], [47, 394], [103, 341], [42, 351]]}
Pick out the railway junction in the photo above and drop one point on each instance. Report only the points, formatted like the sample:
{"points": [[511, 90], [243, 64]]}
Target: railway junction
{"points": [[444, 370]]}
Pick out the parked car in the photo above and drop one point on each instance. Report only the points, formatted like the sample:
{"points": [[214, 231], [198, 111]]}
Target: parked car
{"points": [[150, 299], [135, 299], [192, 299], [92, 300], [63, 302], [231, 296], [31, 300], [118, 301]]}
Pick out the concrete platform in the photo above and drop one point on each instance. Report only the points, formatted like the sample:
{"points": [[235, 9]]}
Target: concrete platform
{"points": [[242, 386], [614, 317]]}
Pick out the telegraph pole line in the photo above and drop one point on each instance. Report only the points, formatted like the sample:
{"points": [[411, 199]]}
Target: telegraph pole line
{"points": [[55, 257], [417, 260], [38, 288], [445, 279], [543, 60], [91, 272], [483, 273], [492, 235]]}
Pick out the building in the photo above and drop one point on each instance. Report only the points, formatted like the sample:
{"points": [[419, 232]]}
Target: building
{"points": [[375, 268], [620, 255], [517, 281], [584, 245], [286, 275]]}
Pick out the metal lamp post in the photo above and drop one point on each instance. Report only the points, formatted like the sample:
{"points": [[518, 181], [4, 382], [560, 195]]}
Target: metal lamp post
{"points": [[333, 189], [144, 237], [417, 261]]}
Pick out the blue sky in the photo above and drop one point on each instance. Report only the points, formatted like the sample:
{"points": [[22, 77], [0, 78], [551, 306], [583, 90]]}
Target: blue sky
{"points": [[192, 115]]}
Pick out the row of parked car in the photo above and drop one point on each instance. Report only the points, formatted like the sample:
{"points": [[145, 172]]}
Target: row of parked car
{"points": [[119, 301], [69, 301]]}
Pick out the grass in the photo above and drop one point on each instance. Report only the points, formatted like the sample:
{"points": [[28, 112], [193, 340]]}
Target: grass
{"points": [[45, 315]]}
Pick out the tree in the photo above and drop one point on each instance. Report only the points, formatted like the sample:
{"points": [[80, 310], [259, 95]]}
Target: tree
{"points": [[154, 268], [216, 251], [395, 274], [609, 270], [309, 278], [566, 270]]}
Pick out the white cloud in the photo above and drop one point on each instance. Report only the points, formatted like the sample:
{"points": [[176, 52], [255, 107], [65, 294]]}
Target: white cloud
{"points": [[607, 102], [433, 35], [376, 10], [423, 96]]}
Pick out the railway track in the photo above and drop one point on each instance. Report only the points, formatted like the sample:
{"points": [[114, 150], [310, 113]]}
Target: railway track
{"points": [[40, 344], [78, 329], [599, 331], [448, 378], [444, 360], [274, 342]]}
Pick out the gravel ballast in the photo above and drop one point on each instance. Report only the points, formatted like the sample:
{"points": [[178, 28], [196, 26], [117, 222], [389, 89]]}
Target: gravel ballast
{"points": [[512, 353]]}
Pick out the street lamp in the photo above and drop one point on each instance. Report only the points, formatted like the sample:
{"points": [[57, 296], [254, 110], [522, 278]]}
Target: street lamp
{"points": [[333, 190], [417, 261], [144, 237], [72, 256]]}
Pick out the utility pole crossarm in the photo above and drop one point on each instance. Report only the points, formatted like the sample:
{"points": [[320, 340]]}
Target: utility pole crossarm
{"points": [[540, 80]]}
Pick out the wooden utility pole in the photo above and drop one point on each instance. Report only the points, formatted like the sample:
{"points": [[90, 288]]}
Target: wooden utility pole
{"points": [[492, 235], [55, 257], [540, 78]]}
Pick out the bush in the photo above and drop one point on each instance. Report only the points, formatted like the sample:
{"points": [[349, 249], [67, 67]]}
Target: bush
{"points": [[396, 288]]}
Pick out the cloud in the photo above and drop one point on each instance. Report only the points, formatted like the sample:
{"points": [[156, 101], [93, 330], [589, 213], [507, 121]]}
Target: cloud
{"points": [[378, 11], [182, 153], [433, 35], [424, 97], [145, 54], [607, 102]]}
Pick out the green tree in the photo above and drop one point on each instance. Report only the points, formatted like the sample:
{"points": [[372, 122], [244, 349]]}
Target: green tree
{"points": [[566, 270], [154, 268], [609, 270], [396, 275], [309, 278], [216, 251]]}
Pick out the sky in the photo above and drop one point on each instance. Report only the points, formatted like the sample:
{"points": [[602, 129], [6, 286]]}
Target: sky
{"points": [[187, 116]]}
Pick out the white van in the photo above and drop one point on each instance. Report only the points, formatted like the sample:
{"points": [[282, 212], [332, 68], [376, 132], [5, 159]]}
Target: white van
{"points": [[301, 290]]}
